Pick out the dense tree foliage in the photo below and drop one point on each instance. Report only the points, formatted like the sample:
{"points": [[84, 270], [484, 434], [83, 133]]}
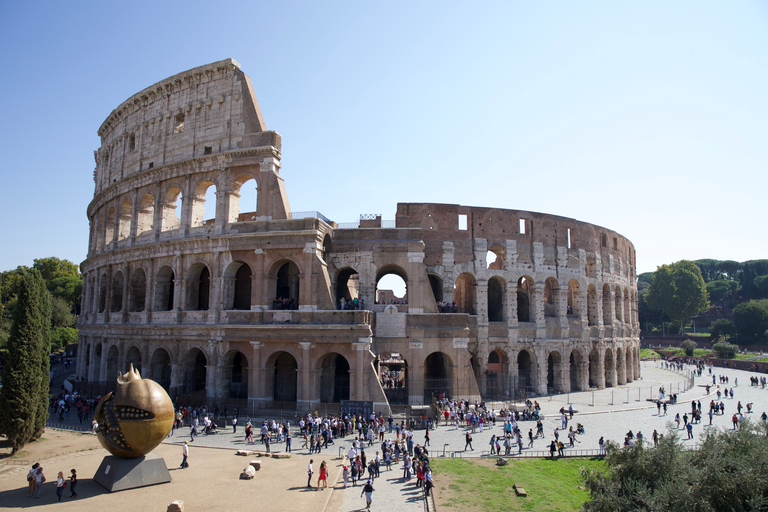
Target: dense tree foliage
{"points": [[721, 328], [679, 291], [751, 321], [24, 395], [724, 350], [724, 474]]}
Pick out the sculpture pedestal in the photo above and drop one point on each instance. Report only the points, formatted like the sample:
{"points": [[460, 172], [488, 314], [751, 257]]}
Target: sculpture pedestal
{"points": [[118, 474]]}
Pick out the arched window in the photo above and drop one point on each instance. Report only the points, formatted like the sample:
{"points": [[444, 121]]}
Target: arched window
{"points": [[172, 209], [496, 300], [164, 289], [204, 204], [145, 214], [117, 292], [242, 199], [391, 285], [124, 221], [242, 299]]}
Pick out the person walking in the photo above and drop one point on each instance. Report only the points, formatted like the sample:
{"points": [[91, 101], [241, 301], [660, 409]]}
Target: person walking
{"points": [[468, 442], [31, 479], [689, 427], [345, 475], [185, 454], [234, 424], [39, 481], [288, 439], [60, 485], [72, 483], [322, 479], [310, 471], [368, 491]]}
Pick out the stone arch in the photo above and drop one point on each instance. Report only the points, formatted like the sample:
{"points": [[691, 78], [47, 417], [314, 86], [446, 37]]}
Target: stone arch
{"points": [[618, 304], [137, 291], [133, 357], [497, 303], [495, 257], [124, 220], [607, 320], [438, 376], [526, 370], [574, 298], [555, 372], [382, 295], [626, 317], [610, 368], [171, 209], [465, 293], [282, 384], [334, 378], [160, 365], [347, 287], [524, 303], [235, 374], [436, 285], [594, 368], [195, 370], [592, 316], [237, 286], [202, 212], [621, 376], [575, 363], [551, 289], [496, 376], [113, 363], [394, 377], [145, 214], [327, 248], [109, 222], [117, 292], [164, 289], [284, 283], [198, 287], [102, 307], [243, 198]]}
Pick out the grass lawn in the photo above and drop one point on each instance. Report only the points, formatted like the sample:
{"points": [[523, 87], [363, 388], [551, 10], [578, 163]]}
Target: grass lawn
{"points": [[649, 353], [478, 485]]}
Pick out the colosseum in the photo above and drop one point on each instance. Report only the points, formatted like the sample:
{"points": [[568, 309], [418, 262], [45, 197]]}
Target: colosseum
{"points": [[259, 305]]}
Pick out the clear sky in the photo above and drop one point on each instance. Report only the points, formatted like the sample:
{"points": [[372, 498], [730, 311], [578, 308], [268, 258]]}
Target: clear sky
{"points": [[649, 118]]}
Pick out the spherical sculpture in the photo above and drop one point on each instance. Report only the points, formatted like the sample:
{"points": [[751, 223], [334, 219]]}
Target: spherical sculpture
{"points": [[135, 418]]}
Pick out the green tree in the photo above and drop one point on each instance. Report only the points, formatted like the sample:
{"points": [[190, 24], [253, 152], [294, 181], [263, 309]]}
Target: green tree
{"points": [[679, 291], [51, 268], [724, 350], [63, 336], [751, 321], [722, 328], [24, 395], [689, 346], [61, 313], [761, 284]]}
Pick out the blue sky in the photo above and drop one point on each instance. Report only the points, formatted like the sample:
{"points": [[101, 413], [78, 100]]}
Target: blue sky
{"points": [[650, 118]]}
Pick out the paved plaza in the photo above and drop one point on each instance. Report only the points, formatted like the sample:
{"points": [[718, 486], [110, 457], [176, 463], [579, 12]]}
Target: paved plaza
{"points": [[609, 413]]}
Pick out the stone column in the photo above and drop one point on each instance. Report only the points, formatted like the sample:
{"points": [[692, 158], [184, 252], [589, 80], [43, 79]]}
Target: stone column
{"points": [[126, 299], [360, 347], [481, 300], [537, 303], [149, 302], [540, 371], [103, 364], [303, 400], [256, 386], [599, 381]]}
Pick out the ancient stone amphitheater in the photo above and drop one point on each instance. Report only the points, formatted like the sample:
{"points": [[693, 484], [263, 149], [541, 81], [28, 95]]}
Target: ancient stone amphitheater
{"points": [[259, 305]]}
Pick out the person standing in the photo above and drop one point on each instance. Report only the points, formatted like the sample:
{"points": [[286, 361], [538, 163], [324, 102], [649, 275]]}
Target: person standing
{"points": [[345, 475], [310, 471], [689, 427], [39, 481], [234, 424], [288, 439], [72, 484], [59, 486], [31, 479], [601, 444], [468, 442], [368, 491], [185, 454], [322, 479]]}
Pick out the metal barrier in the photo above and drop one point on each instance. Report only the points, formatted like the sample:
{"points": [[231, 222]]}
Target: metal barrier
{"points": [[77, 427]]}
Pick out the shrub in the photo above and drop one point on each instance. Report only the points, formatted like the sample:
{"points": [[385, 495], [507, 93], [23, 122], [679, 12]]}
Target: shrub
{"points": [[724, 350], [689, 346]]}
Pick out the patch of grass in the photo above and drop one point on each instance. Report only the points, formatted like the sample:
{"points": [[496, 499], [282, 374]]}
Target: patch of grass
{"points": [[478, 485], [649, 353]]}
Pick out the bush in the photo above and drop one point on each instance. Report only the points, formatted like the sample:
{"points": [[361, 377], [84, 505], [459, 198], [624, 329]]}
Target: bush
{"points": [[724, 350], [689, 346]]}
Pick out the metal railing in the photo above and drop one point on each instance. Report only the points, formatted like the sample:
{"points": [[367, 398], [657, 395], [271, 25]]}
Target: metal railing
{"points": [[309, 215]]}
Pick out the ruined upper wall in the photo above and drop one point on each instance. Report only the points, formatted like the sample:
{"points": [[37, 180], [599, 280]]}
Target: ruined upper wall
{"points": [[441, 223], [205, 110]]}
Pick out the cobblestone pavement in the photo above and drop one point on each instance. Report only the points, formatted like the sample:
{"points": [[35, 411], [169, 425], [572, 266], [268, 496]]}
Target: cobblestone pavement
{"points": [[609, 413]]}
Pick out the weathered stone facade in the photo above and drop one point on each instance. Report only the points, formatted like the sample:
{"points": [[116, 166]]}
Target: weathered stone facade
{"points": [[193, 302]]}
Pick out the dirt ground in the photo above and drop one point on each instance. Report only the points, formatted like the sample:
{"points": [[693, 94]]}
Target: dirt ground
{"points": [[211, 482]]}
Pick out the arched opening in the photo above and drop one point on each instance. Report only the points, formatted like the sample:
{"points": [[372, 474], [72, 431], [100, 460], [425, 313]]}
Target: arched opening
{"points": [[347, 289], [172, 209], [618, 306], [327, 248], [627, 318], [594, 368], [97, 360], [133, 357], [103, 293], [236, 374], [438, 377], [391, 285], [195, 371], [592, 316], [164, 289], [287, 287], [334, 378], [495, 378], [113, 369], [137, 291], [574, 302], [573, 373], [242, 291], [117, 293], [393, 372], [436, 285], [610, 369], [203, 204], [496, 303], [242, 199], [110, 226], [198, 288], [621, 377], [124, 221], [494, 258], [554, 372], [525, 370], [284, 378], [465, 294], [161, 368], [145, 214], [551, 289], [524, 287], [607, 320]]}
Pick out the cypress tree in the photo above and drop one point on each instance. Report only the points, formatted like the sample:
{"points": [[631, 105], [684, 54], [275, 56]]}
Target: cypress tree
{"points": [[24, 396]]}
